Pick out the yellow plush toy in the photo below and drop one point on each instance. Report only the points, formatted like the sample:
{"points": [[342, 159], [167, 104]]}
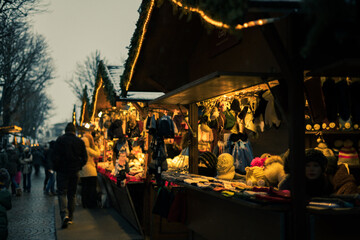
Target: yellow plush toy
{"points": [[274, 170], [255, 176]]}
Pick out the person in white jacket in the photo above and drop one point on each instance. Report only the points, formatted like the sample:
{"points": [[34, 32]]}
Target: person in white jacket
{"points": [[26, 168], [88, 174]]}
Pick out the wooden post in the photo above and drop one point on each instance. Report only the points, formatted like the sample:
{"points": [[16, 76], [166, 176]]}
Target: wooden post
{"points": [[293, 74], [193, 148]]}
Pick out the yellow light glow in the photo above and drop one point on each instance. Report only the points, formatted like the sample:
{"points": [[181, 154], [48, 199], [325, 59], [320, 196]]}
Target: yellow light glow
{"points": [[95, 100], [221, 24], [100, 114], [87, 125], [152, 3], [83, 114]]}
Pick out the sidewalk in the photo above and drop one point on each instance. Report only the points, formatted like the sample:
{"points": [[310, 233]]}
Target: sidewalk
{"points": [[94, 224], [36, 216]]}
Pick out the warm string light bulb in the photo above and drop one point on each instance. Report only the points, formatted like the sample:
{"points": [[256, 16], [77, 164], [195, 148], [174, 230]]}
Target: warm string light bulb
{"points": [[83, 114], [152, 3], [96, 96]]}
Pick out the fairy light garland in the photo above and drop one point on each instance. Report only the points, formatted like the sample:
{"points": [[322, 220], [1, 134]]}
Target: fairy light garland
{"points": [[152, 3], [95, 100], [208, 19], [83, 114], [219, 24]]}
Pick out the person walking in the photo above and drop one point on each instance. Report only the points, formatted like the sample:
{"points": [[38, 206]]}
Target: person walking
{"points": [[38, 159], [68, 158], [13, 166], [3, 158], [88, 174], [26, 161], [5, 202], [49, 182]]}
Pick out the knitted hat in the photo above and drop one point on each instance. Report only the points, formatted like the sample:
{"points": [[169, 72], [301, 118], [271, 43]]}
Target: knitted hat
{"points": [[348, 154], [70, 128], [313, 155], [225, 166], [209, 159]]}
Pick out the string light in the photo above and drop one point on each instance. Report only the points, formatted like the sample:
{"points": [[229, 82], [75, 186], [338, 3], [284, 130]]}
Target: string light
{"points": [[140, 42], [219, 24], [83, 114], [95, 100], [208, 19]]}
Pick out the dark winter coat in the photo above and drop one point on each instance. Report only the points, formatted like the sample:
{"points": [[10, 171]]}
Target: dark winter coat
{"points": [[3, 159], [344, 182], [5, 204], [38, 157], [69, 154], [13, 162]]}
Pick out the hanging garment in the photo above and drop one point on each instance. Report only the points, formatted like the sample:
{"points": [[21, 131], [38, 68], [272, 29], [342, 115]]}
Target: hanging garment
{"points": [[243, 155], [270, 113]]}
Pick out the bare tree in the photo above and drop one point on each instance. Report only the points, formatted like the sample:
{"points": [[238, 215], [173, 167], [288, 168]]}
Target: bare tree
{"points": [[33, 112], [85, 74], [25, 68], [16, 12]]}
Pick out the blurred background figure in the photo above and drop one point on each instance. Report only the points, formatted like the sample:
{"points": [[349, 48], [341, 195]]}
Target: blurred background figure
{"points": [[26, 160], [13, 166], [38, 159]]}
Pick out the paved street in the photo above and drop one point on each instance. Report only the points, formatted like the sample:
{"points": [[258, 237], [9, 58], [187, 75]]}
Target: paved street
{"points": [[32, 214], [35, 216]]}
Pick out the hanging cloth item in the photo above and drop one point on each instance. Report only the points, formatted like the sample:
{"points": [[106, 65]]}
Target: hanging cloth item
{"points": [[270, 113], [243, 155]]}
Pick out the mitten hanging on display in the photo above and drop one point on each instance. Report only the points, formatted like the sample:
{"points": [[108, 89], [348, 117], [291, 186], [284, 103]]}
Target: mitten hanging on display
{"points": [[270, 113], [260, 112]]}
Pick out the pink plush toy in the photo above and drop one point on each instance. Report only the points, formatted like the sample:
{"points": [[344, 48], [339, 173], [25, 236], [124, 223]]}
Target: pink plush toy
{"points": [[259, 162]]}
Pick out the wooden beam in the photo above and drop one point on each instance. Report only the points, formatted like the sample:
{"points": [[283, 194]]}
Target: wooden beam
{"points": [[293, 75], [193, 148]]}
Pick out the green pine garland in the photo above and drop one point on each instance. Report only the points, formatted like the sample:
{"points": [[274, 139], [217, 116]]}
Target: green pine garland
{"points": [[85, 100], [109, 88]]}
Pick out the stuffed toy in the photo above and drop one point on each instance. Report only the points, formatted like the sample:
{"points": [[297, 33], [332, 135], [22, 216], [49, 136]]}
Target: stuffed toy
{"points": [[259, 162], [225, 167], [255, 176], [274, 170]]}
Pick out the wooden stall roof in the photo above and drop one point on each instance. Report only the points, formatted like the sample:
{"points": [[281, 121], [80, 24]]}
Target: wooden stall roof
{"points": [[138, 96], [213, 85], [10, 129], [200, 48], [341, 68]]}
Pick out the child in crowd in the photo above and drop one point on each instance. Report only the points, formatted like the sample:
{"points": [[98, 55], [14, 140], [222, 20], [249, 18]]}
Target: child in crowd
{"points": [[5, 202]]}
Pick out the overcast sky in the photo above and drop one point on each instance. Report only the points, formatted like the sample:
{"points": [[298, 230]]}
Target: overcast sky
{"points": [[76, 28]]}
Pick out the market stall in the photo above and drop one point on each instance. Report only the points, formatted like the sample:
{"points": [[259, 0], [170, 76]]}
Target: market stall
{"points": [[220, 65]]}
